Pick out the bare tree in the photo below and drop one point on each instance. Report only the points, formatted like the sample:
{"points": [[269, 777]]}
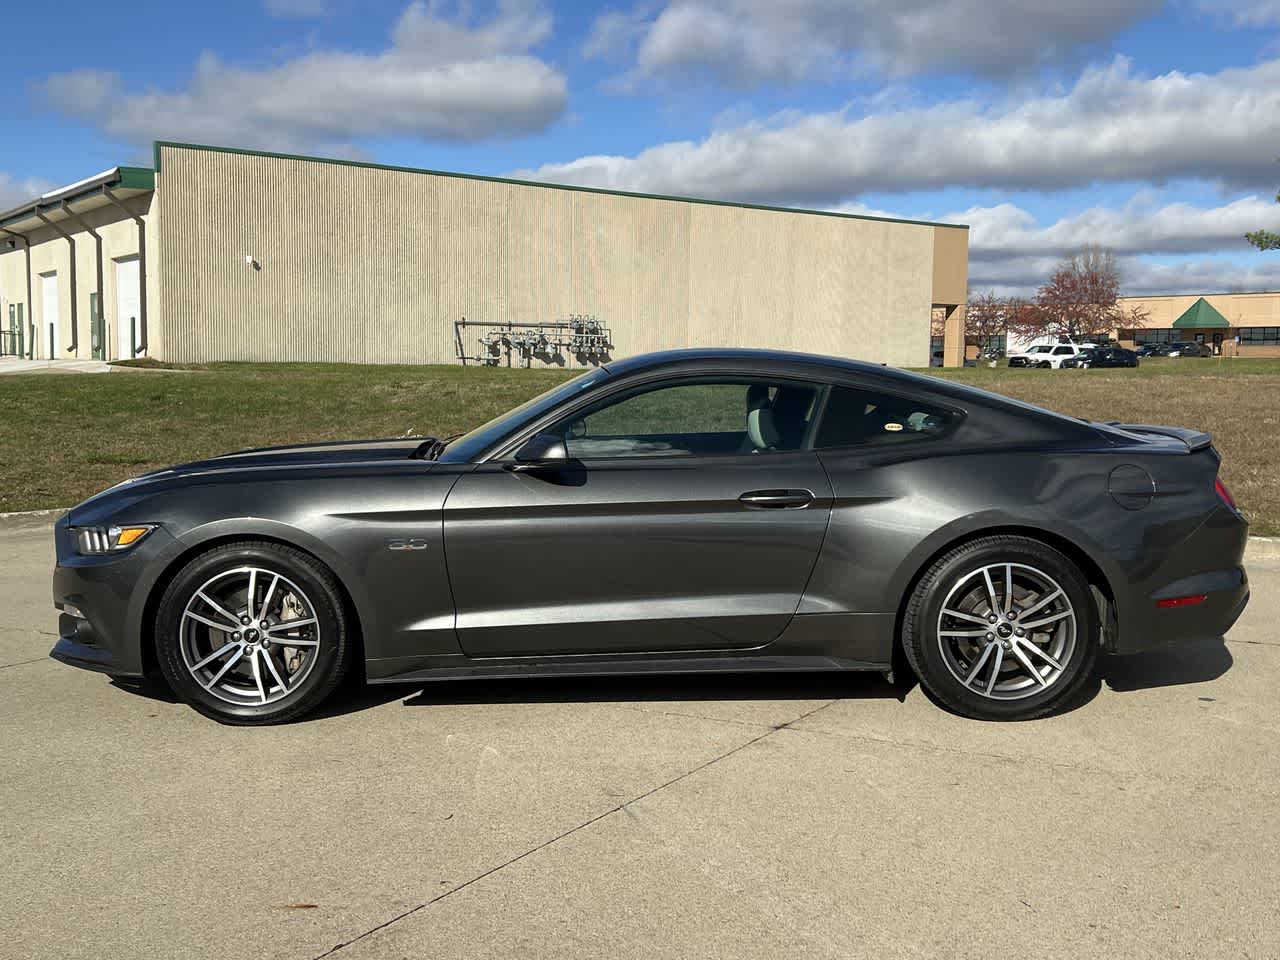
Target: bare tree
{"points": [[986, 317], [1079, 300]]}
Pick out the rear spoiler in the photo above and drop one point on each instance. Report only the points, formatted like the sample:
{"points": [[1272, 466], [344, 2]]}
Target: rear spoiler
{"points": [[1194, 439]]}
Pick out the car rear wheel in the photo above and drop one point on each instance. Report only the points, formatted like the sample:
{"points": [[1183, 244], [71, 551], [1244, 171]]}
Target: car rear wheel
{"points": [[1002, 628], [253, 633]]}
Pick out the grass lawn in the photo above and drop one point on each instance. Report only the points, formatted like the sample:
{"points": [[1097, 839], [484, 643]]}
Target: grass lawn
{"points": [[63, 437]]}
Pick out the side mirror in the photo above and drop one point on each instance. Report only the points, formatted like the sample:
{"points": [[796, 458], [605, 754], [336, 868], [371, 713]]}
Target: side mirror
{"points": [[542, 450]]}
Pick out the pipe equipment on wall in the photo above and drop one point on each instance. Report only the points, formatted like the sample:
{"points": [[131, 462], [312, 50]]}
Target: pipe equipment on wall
{"points": [[97, 239], [71, 245], [142, 268], [31, 318]]}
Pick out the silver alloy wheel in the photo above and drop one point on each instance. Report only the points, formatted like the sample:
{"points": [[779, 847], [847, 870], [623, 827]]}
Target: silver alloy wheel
{"points": [[249, 636], [1007, 631]]}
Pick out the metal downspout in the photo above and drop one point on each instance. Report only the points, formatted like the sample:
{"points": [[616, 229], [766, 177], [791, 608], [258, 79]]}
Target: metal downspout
{"points": [[97, 240], [71, 245], [142, 268], [31, 316]]}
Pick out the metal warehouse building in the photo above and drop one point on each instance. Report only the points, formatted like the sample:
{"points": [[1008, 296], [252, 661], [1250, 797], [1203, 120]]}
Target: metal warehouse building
{"points": [[220, 254]]}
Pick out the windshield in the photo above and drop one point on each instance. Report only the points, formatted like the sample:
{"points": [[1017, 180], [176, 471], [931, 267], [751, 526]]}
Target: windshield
{"points": [[470, 445]]}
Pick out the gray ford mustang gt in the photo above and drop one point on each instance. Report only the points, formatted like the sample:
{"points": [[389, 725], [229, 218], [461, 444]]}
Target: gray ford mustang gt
{"points": [[697, 510]]}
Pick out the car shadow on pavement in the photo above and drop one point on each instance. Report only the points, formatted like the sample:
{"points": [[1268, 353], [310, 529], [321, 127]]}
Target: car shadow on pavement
{"points": [[350, 697], [1192, 662], [1182, 663], [660, 688]]}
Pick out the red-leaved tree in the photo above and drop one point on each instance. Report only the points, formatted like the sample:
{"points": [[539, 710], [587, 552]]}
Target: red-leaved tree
{"points": [[1079, 300]]}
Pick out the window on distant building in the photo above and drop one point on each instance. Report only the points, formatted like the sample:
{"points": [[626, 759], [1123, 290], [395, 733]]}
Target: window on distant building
{"points": [[1260, 336]]}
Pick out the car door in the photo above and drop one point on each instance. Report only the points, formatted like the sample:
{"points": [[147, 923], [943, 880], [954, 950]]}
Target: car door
{"points": [[688, 517]]}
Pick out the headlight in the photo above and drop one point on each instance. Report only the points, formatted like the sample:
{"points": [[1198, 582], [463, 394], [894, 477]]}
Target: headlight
{"points": [[94, 541]]}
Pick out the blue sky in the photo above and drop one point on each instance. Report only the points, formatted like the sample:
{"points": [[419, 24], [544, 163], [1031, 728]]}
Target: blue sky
{"points": [[1148, 126]]}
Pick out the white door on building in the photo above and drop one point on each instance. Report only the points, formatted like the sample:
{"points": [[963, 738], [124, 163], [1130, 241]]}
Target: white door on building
{"points": [[51, 341], [128, 318]]}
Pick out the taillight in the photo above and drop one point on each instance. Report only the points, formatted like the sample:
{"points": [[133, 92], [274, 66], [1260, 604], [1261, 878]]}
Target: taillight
{"points": [[1224, 494]]}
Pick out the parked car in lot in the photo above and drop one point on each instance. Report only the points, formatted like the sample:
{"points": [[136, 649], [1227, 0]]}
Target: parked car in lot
{"points": [[1048, 355], [1189, 348], [1152, 350], [690, 511], [1102, 357]]}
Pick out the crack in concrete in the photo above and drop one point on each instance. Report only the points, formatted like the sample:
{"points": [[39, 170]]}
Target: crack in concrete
{"points": [[1254, 643], [43, 633], [23, 663], [582, 826]]}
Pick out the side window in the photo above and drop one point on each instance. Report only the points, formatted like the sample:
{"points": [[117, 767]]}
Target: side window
{"points": [[1063, 351], [694, 418], [854, 417]]}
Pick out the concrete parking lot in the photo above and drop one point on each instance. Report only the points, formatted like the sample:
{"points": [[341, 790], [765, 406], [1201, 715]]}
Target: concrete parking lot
{"points": [[738, 817]]}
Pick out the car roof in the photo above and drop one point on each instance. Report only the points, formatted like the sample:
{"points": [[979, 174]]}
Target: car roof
{"points": [[727, 355]]}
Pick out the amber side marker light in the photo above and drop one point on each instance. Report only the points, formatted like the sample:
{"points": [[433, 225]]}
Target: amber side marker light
{"points": [[1183, 601]]}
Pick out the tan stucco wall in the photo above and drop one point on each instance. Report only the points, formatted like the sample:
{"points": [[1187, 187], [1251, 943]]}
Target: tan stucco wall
{"points": [[1240, 309], [373, 265], [50, 253]]}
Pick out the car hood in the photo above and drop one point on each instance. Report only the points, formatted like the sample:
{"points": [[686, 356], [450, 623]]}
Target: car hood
{"points": [[333, 453], [305, 454]]}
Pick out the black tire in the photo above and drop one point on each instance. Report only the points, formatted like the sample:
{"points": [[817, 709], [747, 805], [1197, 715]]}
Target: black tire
{"points": [[936, 668], [317, 585]]}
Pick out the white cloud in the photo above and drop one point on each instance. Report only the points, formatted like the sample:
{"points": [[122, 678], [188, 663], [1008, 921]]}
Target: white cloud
{"points": [[1141, 226], [744, 42], [1244, 13], [1112, 125], [1139, 275], [1194, 248], [14, 191], [442, 78], [613, 33]]}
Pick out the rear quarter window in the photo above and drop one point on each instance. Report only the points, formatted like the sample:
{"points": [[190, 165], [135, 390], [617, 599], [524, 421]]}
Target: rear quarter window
{"points": [[855, 417]]}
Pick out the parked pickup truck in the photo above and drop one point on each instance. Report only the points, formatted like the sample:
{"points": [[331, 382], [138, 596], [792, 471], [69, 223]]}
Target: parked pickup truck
{"points": [[1048, 355]]}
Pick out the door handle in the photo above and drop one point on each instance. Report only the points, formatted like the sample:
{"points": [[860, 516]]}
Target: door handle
{"points": [[776, 499]]}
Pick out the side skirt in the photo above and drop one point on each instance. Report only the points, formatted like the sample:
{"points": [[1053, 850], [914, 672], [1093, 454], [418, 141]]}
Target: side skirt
{"points": [[463, 668]]}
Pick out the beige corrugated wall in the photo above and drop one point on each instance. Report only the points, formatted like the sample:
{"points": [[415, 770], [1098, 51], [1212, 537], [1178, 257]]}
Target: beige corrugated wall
{"points": [[371, 265]]}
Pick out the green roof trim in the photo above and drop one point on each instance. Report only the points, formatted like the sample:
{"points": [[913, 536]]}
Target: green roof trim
{"points": [[136, 178], [159, 144], [1200, 315]]}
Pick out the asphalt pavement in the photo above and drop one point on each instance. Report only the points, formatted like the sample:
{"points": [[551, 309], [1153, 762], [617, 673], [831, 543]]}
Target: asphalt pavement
{"points": [[736, 817]]}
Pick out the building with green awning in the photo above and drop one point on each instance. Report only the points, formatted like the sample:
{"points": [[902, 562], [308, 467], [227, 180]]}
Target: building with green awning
{"points": [[1232, 324], [1201, 316]]}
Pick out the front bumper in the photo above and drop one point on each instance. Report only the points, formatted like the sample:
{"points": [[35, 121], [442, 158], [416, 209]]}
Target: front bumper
{"points": [[111, 593]]}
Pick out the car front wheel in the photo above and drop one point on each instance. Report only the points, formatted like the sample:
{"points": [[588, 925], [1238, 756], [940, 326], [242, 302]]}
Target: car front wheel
{"points": [[1002, 628], [253, 633]]}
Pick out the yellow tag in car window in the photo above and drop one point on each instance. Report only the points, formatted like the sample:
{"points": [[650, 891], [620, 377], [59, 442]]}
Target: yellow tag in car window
{"points": [[893, 426]]}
